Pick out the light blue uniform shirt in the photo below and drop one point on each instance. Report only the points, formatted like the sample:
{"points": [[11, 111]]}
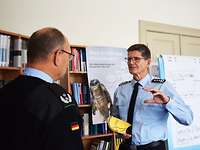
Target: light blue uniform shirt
{"points": [[38, 73], [150, 120]]}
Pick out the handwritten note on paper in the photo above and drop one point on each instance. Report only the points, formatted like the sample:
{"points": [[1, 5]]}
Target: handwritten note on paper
{"points": [[184, 74]]}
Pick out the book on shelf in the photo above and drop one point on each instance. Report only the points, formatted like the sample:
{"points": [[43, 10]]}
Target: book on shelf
{"points": [[75, 92], [80, 92], [24, 53], [17, 53], [83, 60], [101, 145], [13, 51], [75, 60], [4, 50], [94, 145], [78, 63], [98, 128], [92, 129], [86, 94], [85, 124]]}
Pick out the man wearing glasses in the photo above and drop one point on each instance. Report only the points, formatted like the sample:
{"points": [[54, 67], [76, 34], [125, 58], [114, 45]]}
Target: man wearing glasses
{"points": [[39, 114], [146, 102]]}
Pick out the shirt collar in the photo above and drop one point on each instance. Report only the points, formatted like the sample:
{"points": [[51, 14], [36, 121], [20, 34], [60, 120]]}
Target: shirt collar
{"points": [[38, 73], [143, 81]]}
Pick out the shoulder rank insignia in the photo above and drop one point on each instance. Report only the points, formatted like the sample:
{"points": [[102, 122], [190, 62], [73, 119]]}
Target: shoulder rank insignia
{"points": [[125, 82], [158, 80]]}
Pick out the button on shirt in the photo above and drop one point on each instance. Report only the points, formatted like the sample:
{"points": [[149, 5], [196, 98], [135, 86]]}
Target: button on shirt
{"points": [[150, 120], [39, 74]]}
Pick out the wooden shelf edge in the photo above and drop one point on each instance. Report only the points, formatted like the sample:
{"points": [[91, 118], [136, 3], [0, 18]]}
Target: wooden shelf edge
{"points": [[73, 72], [88, 137], [79, 46], [10, 68], [84, 105], [13, 34]]}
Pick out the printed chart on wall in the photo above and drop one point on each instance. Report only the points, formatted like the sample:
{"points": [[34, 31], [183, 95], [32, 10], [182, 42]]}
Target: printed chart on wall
{"points": [[184, 74], [108, 66]]}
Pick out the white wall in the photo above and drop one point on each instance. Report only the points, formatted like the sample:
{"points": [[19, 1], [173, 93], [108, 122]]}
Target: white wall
{"points": [[96, 22]]}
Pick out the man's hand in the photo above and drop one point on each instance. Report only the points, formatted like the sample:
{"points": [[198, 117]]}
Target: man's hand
{"points": [[158, 97], [126, 136]]}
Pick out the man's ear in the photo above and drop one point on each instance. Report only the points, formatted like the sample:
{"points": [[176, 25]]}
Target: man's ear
{"points": [[57, 58], [149, 61]]}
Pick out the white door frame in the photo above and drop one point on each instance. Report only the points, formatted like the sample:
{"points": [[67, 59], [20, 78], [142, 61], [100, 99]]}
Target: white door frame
{"points": [[145, 26]]}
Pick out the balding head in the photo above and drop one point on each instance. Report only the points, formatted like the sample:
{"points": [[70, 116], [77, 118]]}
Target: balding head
{"points": [[43, 42]]}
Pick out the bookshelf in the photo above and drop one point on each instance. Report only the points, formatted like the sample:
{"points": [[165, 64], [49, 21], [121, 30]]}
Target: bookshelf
{"points": [[9, 70], [14, 35], [77, 73], [12, 47], [9, 73]]}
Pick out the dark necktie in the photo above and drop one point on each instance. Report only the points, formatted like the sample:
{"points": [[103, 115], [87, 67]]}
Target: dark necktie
{"points": [[131, 109]]}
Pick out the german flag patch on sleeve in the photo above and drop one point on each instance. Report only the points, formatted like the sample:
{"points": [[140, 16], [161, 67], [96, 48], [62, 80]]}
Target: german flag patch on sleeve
{"points": [[74, 126]]}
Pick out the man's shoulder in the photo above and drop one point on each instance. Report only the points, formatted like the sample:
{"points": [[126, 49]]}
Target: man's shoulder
{"points": [[50, 99], [63, 96], [20, 86], [125, 83]]}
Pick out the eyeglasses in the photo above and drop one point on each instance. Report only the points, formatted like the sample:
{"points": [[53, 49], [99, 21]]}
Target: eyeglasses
{"points": [[136, 59], [71, 56]]}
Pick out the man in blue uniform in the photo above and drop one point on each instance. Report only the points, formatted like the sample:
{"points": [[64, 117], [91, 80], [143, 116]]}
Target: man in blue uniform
{"points": [[37, 114], [147, 105]]}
